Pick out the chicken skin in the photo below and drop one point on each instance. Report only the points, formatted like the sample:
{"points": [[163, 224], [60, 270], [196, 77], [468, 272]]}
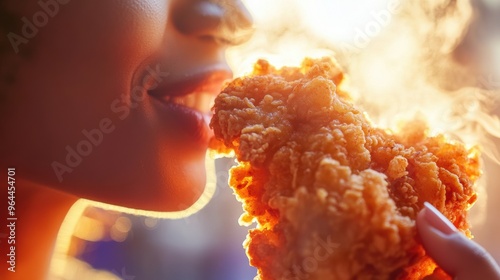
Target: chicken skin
{"points": [[333, 196]]}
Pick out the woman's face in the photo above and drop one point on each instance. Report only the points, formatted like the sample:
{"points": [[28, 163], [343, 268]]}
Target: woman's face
{"points": [[111, 100]]}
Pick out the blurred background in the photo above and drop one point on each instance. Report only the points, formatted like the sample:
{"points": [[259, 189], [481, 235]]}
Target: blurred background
{"points": [[439, 59], [206, 245]]}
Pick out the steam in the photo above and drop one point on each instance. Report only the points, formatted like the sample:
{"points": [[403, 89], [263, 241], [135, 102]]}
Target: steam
{"points": [[281, 36], [398, 54], [410, 70]]}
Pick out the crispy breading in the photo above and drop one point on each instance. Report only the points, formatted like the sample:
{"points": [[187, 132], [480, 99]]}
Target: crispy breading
{"points": [[333, 196]]}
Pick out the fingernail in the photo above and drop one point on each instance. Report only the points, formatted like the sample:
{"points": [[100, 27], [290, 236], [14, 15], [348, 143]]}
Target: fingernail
{"points": [[438, 220]]}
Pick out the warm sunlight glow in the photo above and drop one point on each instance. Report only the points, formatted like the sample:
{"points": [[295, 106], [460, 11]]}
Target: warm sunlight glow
{"points": [[289, 30], [59, 262], [340, 21], [398, 56], [76, 224], [89, 229], [385, 46], [199, 204]]}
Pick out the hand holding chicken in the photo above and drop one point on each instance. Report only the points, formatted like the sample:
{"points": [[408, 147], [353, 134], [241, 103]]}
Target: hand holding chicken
{"points": [[313, 170]]}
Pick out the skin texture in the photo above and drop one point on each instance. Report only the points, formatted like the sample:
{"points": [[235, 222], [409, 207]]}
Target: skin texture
{"points": [[81, 75], [67, 78], [312, 166]]}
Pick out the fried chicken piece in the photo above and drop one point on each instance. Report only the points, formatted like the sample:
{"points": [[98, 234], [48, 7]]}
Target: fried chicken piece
{"points": [[333, 196]]}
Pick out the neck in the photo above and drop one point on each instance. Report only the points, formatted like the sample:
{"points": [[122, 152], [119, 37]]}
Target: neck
{"points": [[39, 212]]}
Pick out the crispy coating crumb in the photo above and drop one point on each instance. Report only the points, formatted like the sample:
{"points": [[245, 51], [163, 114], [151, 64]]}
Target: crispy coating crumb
{"points": [[333, 196]]}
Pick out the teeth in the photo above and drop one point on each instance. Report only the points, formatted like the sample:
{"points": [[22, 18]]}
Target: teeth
{"points": [[200, 101]]}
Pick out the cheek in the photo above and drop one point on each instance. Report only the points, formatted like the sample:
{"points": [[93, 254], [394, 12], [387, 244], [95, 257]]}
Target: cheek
{"points": [[85, 57], [105, 36]]}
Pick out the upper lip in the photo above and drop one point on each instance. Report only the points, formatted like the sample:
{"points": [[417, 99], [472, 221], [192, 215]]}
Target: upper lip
{"points": [[205, 80]]}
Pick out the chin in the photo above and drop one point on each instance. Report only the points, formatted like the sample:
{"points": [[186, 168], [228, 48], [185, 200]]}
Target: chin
{"points": [[172, 196], [175, 187]]}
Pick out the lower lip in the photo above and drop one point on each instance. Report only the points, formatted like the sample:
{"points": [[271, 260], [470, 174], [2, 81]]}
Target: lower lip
{"points": [[187, 124]]}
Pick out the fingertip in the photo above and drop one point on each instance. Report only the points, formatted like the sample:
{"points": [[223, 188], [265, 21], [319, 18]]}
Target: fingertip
{"points": [[437, 220], [450, 249], [421, 223], [434, 234]]}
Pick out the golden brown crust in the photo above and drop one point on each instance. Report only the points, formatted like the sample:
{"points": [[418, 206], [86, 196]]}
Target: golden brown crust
{"points": [[334, 197]]}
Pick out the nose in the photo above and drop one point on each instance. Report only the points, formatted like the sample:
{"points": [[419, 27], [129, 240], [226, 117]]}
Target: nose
{"points": [[226, 22]]}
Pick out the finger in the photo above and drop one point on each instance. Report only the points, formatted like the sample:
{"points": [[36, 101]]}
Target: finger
{"points": [[452, 251]]}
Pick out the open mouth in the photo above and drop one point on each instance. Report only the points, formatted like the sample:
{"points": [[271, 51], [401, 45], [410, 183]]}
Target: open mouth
{"points": [[185, 102], [198, 101], [201, 102], [196, 91]]}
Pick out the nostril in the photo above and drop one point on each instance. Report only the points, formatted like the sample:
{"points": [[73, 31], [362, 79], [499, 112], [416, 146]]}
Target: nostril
{"points": [[226, 22]]}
